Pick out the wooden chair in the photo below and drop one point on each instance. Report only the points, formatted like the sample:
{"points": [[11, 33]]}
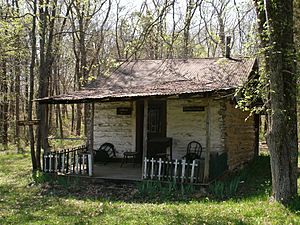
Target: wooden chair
{"points": [[106, 152], [193, 151], [129, 156]]}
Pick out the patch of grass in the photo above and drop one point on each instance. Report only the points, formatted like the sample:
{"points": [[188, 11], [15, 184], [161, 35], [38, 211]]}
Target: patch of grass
{"points": [[59, 144], [23, 201]]}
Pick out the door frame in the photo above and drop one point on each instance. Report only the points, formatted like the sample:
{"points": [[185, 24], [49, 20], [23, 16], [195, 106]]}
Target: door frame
{"points": [[139, 128], [140, 121]]}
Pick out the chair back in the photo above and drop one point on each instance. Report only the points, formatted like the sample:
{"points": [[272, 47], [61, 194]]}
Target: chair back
{"points": [[195, 148], [109, 149]]}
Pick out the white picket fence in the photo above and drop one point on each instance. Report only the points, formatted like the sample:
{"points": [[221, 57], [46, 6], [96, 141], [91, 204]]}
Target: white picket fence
{"points": [[68, 161], [176, 170]]}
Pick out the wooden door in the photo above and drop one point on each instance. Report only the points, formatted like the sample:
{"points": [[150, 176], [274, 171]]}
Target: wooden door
{"points": [[156, 127], [156, 119]]}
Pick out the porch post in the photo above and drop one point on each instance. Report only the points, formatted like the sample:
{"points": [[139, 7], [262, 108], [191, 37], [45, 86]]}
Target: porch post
{"points": [[208, 142], [256, 127], [145, 129], [90, 130]]}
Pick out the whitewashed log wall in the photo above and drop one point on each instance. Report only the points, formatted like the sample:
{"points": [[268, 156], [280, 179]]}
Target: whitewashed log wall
{"points": [[116, 129], [229, 130], [184, 127]]}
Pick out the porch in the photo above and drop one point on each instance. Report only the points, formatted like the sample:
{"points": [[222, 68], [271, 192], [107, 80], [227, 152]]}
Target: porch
{"points": [[78, 161], [114, 171], [155, 128], [178, 171], [141, 127]]}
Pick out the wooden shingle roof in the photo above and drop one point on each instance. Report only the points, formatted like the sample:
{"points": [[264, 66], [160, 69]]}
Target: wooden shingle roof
{"points": [[143, 78]]}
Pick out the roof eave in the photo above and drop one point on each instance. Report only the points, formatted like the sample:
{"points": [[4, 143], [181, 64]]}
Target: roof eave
{"points": [[54, 100]]}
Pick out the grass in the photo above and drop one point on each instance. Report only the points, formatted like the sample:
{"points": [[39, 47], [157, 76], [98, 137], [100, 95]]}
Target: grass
{"points": [[59, 144], [24, 202]]}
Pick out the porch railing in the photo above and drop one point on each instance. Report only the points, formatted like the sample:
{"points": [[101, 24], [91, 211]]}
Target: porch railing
{"points": [[68, 161], [179, 171]]}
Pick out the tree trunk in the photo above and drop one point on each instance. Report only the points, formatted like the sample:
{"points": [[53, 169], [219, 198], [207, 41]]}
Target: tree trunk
{"points": [[46, 60], [282, 117], [61, 130], [26, 102], [90, 126], [41, 110], [31, 86], [189, 14], [78, 121], [72, 119], [17, 105], [5, 106]]}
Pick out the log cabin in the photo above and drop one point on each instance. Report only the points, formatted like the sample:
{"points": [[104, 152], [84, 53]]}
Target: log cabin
{"points": [[150, 110]]}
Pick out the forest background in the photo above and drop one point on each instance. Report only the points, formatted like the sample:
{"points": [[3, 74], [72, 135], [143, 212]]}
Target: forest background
{"points": [[51, 47]]}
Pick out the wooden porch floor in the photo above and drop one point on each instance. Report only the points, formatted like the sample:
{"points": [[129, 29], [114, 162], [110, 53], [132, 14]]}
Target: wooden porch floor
{"points": [[114, 171]]}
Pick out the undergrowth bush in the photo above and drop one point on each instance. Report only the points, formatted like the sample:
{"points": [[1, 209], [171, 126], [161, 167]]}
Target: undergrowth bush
{"points": [[225, 189], [167, 190], [256, 174], [42, 178]]}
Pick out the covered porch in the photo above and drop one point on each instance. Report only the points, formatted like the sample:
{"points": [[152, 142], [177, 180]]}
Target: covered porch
{"points": [[78, 162], [114, 171], [157, 131], [155, 158]]}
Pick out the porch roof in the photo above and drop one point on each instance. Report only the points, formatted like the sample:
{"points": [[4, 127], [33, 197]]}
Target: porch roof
{"points": [[142, 78]]}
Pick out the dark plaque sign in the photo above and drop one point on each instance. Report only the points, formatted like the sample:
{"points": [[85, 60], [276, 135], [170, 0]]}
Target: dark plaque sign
{"points": [[193, 108], [28, 122], [124, 111]]}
